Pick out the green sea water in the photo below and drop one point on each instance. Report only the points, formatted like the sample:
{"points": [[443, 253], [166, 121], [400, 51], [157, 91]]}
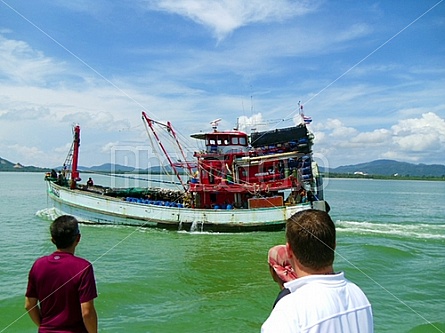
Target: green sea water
{"points": [[391, 242]]}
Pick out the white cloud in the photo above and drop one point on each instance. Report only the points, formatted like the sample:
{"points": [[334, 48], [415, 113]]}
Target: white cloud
{"points": [[418, 142], [333, 128], [429, 122], [109, 146], [225, 16], [20, 63], [411, 139], [63, 149], [353, 32], [31, 153], [376, 137], [420, 134], [256, 121]]}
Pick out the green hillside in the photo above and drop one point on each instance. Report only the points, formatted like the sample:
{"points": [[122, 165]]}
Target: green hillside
{"points": [[383, 168], [6, 165], [392, 168]]}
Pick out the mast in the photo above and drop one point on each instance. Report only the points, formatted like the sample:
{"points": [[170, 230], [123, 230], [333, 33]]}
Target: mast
{"points": [[76, 144], [150, 124]]}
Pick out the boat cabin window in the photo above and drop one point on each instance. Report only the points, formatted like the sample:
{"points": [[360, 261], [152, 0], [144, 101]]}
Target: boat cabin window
{"points": [[239, 140], [226, 140]]}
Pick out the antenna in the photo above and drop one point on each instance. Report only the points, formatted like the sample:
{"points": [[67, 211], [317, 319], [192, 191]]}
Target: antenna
{"points": [[214, 124], [236, 128]]}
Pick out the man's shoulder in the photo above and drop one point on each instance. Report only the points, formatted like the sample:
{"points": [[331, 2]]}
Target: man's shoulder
{"points": [[80, 260], [357, 292], [315, 286], [41, 259]]}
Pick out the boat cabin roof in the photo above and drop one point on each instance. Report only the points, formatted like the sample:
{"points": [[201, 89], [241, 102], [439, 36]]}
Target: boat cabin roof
{"points": [[223, 138]]}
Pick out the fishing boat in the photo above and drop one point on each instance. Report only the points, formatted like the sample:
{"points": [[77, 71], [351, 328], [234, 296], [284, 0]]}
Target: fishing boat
{"points": [[236, 182]]}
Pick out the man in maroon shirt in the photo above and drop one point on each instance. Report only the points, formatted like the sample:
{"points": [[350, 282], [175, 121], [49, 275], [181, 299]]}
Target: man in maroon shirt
{"points": [[61, 287]]}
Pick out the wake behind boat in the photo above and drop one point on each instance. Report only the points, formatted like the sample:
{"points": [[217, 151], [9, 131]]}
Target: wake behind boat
{"points": [[237, 183]]}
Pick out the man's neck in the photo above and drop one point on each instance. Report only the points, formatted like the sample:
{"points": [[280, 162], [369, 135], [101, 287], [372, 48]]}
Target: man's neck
{"points": [[305, 271], [70, 249]]}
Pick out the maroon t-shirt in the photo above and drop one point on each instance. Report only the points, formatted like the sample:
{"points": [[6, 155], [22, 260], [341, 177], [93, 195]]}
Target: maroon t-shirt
{"points": [[61, 281]]}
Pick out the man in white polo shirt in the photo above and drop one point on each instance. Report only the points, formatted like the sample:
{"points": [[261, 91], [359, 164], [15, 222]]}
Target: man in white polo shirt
{"points": [[320, 299]]}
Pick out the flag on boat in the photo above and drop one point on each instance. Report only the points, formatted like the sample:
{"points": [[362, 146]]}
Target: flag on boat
{"points": [[306, 119]]}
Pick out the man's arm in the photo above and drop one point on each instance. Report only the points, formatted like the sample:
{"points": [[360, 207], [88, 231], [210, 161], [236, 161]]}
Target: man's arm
{"points": [[89, 316], [33, 309]]}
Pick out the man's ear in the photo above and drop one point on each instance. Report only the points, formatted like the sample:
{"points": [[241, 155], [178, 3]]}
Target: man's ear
{"points": [[290, 254], [293, 260], [53, 241]]}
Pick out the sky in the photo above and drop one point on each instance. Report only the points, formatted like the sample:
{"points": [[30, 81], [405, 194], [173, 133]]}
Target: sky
{"points": [[371, 74]]}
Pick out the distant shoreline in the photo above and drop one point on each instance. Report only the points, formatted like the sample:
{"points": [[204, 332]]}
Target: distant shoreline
{"points": [[325, 175], [353, 176]]}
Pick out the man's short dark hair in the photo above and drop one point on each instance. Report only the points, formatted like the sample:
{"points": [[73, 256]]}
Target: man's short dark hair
{"points": [[64, 231], [311, 236]]}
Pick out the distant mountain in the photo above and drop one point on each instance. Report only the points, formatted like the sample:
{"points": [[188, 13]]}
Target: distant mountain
{"points": [[378, 167], [391, 168], [108, 167], [6, 165]]}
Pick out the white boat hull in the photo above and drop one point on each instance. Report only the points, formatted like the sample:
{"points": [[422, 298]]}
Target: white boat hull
{"points": [[101, 209]]}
